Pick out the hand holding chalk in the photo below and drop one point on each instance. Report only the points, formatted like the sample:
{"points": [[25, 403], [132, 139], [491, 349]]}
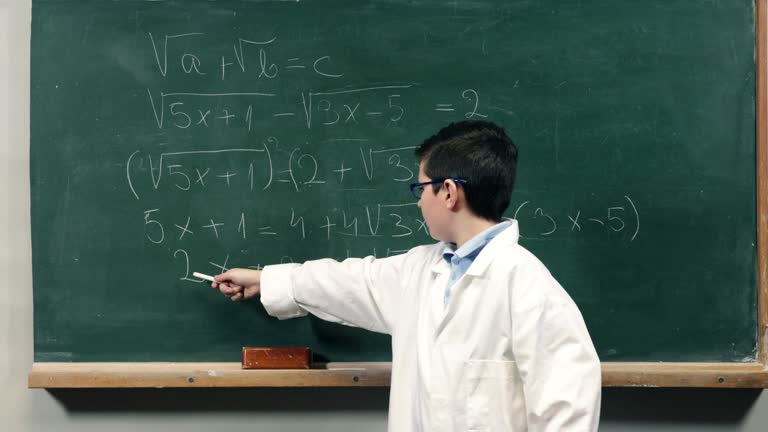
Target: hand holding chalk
{"points": [[229, 290], [237, 284]]}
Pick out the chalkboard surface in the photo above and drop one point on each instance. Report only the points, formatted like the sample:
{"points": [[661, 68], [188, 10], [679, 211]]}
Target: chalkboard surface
{"points": [[169, 137]]}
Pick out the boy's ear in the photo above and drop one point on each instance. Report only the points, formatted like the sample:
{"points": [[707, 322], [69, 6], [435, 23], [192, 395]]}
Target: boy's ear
{"points": [[451, 194]]}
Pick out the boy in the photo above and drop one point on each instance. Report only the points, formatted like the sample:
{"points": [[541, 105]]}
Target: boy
{"points": [[483, 337]]}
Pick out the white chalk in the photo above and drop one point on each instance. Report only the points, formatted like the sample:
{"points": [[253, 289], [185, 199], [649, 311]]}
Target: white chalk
{"points": [[203, 276]]}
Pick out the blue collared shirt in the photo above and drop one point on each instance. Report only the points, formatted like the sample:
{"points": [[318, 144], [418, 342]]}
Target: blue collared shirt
{"points": [[463, 257]]}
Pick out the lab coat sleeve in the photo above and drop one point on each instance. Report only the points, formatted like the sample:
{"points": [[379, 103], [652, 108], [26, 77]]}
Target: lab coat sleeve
{"points": [[559, 367], [359, 292]]}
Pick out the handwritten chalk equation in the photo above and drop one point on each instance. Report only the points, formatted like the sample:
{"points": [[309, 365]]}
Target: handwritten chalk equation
{"points": [[378, 220], [249, 87], [224, 261], [382, 105], [263, 60], [539, 223], [253, 58], [268, 166], [367, 221]]}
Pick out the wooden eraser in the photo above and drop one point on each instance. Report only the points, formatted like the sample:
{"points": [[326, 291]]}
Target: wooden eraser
{"points": [[276, 358]]}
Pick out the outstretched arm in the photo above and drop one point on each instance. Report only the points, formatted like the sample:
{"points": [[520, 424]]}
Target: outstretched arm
{"points": [[360, 292]]}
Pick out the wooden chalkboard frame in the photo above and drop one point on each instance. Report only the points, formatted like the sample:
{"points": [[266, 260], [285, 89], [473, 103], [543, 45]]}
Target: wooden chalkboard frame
{"points": [[377, 374]]}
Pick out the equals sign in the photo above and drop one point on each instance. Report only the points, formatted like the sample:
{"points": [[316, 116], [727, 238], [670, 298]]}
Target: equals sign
{"points": [[444, 107], [264, 231], [295, 66]]}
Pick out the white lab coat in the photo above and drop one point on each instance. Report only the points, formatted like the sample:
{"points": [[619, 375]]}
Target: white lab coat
{"points": [[510, 351]]}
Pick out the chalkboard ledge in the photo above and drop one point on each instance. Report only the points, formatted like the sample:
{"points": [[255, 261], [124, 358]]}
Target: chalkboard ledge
{"points": [[376, 374], [661, 374], [151, 374]]}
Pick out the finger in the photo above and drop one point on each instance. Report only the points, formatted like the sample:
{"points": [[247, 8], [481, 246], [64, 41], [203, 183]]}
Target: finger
{"points": [[222, 277], [227, 288], [224, 288], [235, 293]]}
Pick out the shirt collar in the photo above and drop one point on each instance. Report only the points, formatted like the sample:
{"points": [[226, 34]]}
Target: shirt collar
{"points": [[473, 246], [509, 235]]}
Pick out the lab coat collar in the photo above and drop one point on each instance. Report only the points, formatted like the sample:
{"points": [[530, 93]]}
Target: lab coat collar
{"points": [[441, 265], [510, 235], [506, 237]]}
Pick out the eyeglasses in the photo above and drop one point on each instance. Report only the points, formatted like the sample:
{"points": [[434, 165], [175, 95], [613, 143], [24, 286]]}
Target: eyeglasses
{"points": [[418, 188]]}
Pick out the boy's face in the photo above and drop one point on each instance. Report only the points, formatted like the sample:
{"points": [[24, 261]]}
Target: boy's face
{"points": [[432, 207]]}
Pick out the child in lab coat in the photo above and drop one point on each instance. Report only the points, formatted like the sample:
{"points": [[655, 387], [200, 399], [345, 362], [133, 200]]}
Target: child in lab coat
{"points": [[483, 337]]}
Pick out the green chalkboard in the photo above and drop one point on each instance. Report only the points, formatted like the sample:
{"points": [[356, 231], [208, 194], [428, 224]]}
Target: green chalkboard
{"points": [[176, 136]]}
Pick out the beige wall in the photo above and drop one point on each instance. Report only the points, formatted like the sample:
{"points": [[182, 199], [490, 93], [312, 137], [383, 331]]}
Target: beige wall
{"points": [[222, 410]]}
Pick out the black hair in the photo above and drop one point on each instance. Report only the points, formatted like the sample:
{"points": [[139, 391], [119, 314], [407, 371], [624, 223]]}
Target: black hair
{"points": [[479, 152]]}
